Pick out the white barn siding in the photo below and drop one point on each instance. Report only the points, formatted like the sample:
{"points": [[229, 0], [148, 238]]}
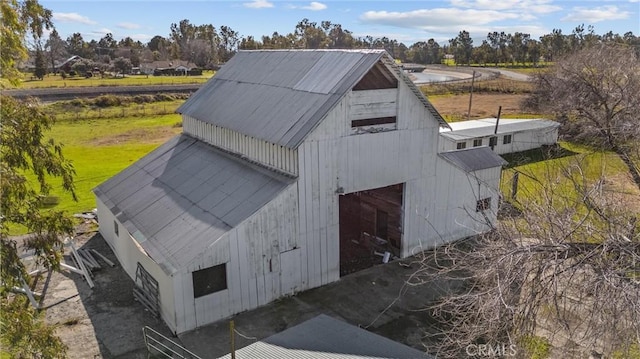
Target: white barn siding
{"points": [[442, 208], [334, 161], [269, 154], [520, 141], [262, 257], [129, 254]]}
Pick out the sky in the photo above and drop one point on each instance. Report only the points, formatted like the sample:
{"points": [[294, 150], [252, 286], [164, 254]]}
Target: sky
{"points": [[405, 21]]}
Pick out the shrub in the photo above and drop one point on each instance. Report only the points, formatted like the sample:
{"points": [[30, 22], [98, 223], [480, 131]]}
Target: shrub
{"points": [[108, 101]]}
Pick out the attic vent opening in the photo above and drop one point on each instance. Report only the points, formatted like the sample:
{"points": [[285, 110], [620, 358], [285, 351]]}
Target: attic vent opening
{"points": [[379, 77]]}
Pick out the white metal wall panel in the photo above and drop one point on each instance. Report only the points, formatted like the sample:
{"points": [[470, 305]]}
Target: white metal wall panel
{"points": [[252, 252], [129, 254], [266, 153], [442, 208]]}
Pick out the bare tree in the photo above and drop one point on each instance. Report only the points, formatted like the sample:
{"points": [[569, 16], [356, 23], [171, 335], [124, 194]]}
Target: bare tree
{"points": [[562, 271], [594, 92]]}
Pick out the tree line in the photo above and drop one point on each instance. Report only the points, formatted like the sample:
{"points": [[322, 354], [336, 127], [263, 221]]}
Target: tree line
{"points": [[207, 46]]}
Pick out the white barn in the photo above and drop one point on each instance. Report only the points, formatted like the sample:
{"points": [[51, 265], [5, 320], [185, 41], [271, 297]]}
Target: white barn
{"points": [[513, 135], [294, 167]]}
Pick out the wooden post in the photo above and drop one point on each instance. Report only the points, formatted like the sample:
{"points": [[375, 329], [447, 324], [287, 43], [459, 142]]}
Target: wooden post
{"points": [[473, 78], [514, 185], [233, 339]]}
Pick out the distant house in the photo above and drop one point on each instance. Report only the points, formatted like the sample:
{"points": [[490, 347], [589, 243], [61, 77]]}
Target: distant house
{"points": [[512, 135], [65, 65], [170, 68], [294, 167]]}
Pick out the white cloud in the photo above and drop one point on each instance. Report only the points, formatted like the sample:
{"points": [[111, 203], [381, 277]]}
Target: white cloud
{"points": [[128, 25], [435, 19], [72, 17], [315, 6], [531, 6], [596, 14], [258, 4], [101, 32], [141, 37]]}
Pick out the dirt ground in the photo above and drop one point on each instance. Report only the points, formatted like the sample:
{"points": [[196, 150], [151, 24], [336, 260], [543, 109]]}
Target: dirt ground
{"points": [[90, 321], [455, 107]]}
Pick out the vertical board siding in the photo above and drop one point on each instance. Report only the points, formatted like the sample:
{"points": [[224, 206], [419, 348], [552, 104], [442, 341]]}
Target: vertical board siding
{"points": [[442, 208], [129, 254], [266, 153], [256, 273]]}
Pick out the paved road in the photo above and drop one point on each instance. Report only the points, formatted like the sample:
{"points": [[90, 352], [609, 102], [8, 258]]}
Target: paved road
{"points": [[68, 93], [514, 75]]}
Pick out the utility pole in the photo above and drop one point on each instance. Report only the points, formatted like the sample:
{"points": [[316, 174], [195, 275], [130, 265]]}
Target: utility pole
{"points": [[473, 79]]}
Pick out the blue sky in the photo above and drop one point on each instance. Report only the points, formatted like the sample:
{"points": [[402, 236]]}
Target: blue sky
{"points": [[405, 21]]}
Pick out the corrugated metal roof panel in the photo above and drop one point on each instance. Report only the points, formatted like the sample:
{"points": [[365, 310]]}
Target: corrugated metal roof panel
{"points": [[184, 196], [465, 130], [280, 96], [326, 338], [474, 159]]}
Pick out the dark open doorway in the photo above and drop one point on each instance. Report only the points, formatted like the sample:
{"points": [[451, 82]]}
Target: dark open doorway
{"points": [[370, 226]]}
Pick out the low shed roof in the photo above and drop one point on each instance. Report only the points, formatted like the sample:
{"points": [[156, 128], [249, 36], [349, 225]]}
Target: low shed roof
{"points": [[473, 159], [465, 130], [326, 338], [184, 195], [280, 96]]}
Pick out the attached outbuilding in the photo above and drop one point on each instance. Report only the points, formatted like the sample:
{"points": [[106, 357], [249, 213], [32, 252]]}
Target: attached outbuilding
{"points": [[294, 167], [511, 135]]}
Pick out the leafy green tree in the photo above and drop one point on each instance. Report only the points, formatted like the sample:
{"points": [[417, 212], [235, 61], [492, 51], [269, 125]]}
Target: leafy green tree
{"points": [[41, 66], [55, 47], [122, 65], [19, 18], [27, 161]]}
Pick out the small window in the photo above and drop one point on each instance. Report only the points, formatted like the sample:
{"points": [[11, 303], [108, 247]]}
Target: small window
{"points": [[477, 142], [373, 121], [115, 228], [483, 204], [209, 280], [493, 141], [506, 139], [461, 145]]}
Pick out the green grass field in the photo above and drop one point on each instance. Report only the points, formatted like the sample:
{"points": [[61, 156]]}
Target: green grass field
{"points": [[538, 172], [51, 80], [101, 148]]}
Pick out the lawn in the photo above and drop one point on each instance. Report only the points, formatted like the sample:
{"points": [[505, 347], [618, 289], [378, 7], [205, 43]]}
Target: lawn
{"points": [[129, 80], [539, 172], [101, 148]]}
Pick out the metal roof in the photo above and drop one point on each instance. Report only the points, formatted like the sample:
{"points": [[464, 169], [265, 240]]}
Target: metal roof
{"points": [[474, 159], [326, 338], [280, 96], [465, 130], [184, 195]]}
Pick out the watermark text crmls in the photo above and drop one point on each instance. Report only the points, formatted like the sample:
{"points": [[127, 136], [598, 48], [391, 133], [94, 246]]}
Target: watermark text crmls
{"points": [[491, 350]]}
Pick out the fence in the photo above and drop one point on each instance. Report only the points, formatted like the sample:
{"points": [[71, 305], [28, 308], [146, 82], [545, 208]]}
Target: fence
{"points": [[118, 112], [160, 346]]}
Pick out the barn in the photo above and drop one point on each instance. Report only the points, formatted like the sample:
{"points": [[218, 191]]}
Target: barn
{"points": [[511, 135], [294, 167]]}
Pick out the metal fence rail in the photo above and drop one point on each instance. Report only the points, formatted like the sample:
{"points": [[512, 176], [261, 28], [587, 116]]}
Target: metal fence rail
{"points": [[160, 346]]}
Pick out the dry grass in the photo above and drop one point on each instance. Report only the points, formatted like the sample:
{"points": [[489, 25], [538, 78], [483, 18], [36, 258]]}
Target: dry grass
{"points": [[140, 136], [455, 107]]}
